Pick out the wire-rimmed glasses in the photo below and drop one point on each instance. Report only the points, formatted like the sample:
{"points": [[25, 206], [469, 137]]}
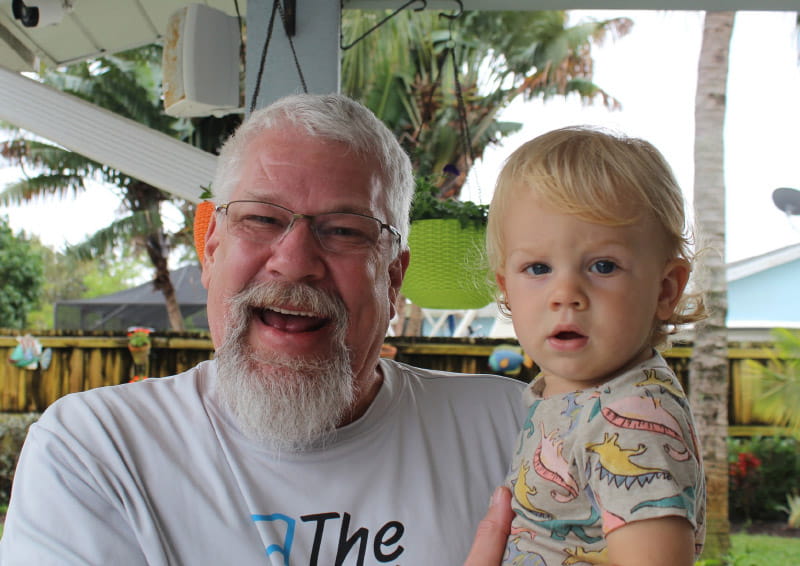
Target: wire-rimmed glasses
{"points": [[337, 232]]}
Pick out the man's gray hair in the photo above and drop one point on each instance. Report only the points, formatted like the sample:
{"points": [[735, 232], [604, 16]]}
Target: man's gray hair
{"points": [[332, 117]]}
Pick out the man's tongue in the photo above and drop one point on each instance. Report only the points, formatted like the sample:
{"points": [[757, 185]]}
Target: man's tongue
{"points": [[291, 323]]}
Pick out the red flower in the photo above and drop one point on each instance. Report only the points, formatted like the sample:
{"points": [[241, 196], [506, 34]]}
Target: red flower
{"points": [[744, 467]]}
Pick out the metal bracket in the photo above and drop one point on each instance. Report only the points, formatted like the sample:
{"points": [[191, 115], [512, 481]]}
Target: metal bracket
{"points": [[290, 16]]}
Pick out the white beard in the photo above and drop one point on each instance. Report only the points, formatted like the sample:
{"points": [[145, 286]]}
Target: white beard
{"points": [[286, 402]]}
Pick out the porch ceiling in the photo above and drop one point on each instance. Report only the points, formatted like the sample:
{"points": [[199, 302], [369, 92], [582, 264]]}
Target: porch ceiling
{"points": [[95, 27]]}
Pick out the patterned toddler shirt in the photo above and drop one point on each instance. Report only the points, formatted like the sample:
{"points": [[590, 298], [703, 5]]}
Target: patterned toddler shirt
{"points": [[591, 461]]}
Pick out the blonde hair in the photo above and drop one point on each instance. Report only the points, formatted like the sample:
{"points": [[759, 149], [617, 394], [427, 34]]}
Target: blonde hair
{"points": [[603, 178]]}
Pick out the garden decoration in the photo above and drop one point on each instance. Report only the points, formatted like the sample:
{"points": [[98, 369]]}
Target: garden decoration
{"points": [[29, 354], [447, 236], [202, 217], [508, 359], [139, 344]]}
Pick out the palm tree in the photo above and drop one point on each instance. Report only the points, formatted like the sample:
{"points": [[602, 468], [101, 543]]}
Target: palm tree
{"points": [[708, 377], [405, 73], [778, 386], [127, 84]]}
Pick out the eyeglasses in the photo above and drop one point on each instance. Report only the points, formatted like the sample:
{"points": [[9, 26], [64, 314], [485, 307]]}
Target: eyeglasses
{"points": [[338, 232]]}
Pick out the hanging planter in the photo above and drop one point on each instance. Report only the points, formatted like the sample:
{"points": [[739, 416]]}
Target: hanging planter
{"points": [[447, 270], [140, 354], [139, 344]]}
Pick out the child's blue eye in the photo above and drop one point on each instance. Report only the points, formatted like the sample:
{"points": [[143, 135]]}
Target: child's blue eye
{"points": [[537, 269], [604, 267]]}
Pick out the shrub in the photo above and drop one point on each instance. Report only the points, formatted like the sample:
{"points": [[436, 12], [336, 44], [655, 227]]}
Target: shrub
{"points": [[762, 471], [13, 429]]}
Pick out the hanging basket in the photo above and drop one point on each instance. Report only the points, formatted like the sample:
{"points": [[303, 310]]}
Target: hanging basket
{"points": [[446, 269], [140, 354]]}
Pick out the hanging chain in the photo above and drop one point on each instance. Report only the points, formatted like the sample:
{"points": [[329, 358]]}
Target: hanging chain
{"points": [[462, 112], [276, 7], [344, 47], [291, 46]]}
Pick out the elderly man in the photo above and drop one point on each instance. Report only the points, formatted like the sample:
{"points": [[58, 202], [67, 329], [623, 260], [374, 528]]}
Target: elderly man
{"points": [[296, 445]]}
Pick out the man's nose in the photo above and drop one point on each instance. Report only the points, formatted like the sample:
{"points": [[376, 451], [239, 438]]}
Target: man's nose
{"points": [[296, 255]]}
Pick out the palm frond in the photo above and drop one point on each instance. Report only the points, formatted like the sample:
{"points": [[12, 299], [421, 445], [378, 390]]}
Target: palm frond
{"points": [[779, 402], [40, 187], [135, 226]]}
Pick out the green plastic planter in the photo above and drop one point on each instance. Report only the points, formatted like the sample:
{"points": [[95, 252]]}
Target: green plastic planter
{"points": [[447, 270]]}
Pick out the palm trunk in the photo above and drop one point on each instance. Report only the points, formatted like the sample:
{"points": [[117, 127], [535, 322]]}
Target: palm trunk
{"points": [[709, 367], [163, 282]]}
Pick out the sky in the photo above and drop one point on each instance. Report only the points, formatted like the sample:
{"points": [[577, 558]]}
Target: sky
{"points": [[652, 72]]}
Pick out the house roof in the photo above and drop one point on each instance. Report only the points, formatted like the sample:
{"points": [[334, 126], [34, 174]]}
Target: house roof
{"points": [[752, 265], [188, 290], [138, 306]]}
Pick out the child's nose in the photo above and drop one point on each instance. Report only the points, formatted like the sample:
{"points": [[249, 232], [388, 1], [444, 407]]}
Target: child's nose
{"points": [[568, 293]]}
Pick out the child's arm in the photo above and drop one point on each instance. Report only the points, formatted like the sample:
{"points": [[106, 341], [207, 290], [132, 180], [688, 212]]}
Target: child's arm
{"points": [[668, 541]]}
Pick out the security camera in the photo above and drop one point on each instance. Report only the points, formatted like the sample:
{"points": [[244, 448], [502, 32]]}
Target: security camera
{"points": [[40, 13]]}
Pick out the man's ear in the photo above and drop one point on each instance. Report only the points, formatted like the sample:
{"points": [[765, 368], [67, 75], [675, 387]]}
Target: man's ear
{"points": [[397, 271], [673, 282], [211, 245]]}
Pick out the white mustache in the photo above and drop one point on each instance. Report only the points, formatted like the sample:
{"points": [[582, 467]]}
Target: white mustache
{"points": [[269, 294]]}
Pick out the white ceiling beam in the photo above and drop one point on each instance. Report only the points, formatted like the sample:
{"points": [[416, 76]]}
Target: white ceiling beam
{"points": [[522, 5], [136, 150]]}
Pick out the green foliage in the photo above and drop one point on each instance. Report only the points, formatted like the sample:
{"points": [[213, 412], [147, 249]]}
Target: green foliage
{"points": [[112, 274], [63, 279], [779, 402], [139, 337], [66, 277], [13, 429], [404, 72], [21, 277], [428, 205], [760, 493]]}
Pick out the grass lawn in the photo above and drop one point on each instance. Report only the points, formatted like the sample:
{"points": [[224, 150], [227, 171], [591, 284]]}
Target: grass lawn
{"points": [[763, 550]]}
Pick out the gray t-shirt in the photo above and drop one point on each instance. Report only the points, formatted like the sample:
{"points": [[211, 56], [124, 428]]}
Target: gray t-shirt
{"points": [[157, 473]]}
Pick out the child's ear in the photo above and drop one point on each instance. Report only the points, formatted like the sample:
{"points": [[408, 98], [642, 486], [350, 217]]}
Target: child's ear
{"points": [[501, 281], [673, 282]]}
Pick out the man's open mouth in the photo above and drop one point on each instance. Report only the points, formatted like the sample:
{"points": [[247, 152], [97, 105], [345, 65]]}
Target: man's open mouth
{"points": [[291, 320]]}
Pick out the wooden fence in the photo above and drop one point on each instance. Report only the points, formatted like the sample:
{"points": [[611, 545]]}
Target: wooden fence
{"points": [[83, 361]]}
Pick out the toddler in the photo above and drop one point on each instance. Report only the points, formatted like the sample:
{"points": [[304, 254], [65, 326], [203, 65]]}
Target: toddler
{"points": [[591, 255]]}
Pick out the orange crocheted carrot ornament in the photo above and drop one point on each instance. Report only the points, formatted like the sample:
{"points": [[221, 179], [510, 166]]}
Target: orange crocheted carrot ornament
{"points": [[202, 217]]}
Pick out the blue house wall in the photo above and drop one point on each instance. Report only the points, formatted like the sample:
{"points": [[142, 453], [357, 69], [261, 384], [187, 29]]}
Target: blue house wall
{"points": [[769, 295]]}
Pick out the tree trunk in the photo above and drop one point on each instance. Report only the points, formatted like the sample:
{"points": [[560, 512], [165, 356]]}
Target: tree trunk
{"points": [[162, 281], [709, 367]]}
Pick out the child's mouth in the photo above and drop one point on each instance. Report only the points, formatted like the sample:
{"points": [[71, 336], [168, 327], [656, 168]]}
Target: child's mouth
{"points": [[568, 335]]}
